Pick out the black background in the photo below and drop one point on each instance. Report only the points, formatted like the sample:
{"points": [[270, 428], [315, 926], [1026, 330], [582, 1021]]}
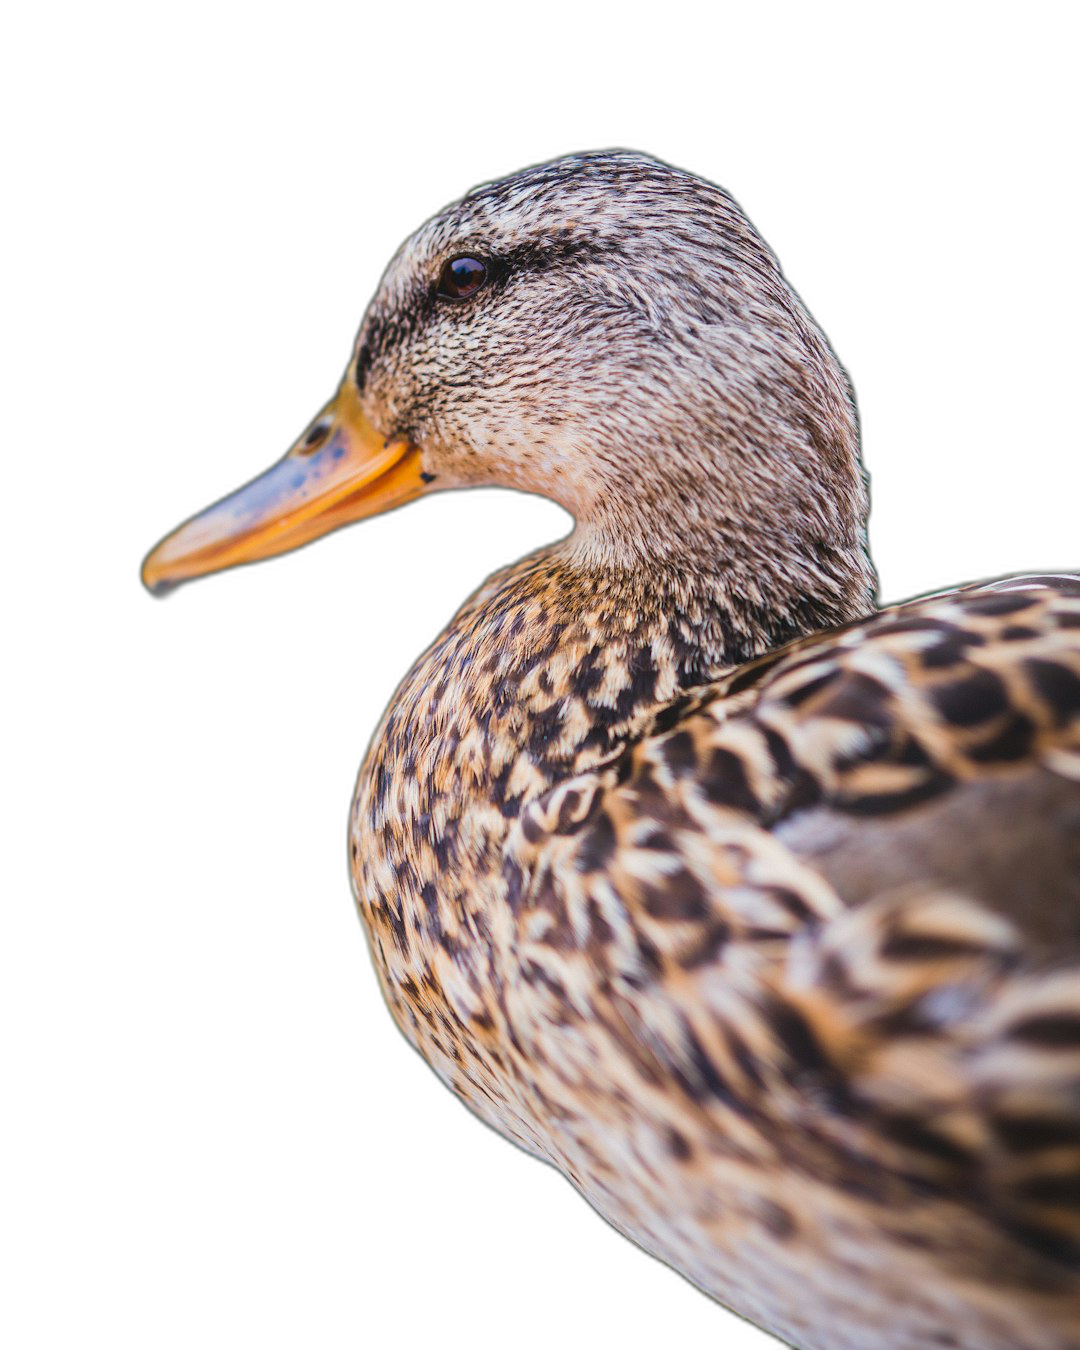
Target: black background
{"points": [[277, 1148]]}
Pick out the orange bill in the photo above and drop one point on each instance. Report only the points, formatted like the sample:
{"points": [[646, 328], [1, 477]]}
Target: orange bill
{"points": [[339, 471]]}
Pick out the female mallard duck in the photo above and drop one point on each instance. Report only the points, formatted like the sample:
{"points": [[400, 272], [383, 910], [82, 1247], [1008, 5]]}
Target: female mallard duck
{"points": [[754, 910]]}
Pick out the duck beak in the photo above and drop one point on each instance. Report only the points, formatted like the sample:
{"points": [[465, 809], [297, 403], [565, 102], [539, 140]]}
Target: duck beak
{"points": [[339, 471]]}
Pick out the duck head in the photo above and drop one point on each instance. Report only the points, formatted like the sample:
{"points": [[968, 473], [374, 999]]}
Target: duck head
{"points": [[604, 330]]}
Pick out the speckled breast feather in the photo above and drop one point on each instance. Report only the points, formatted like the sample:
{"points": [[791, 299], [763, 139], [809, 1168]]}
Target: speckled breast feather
{"points": [[638, 976]]}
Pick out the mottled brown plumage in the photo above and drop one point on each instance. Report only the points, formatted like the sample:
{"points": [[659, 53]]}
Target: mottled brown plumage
{"points": [[768, 937]]}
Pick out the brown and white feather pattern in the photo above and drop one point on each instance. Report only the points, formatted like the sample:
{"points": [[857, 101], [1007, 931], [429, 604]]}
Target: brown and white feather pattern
{"points": [[769, 941], [852, 1111], [771, 948]]}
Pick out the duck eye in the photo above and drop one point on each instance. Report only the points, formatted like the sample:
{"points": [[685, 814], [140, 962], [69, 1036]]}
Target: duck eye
{"points": [[462, 277]]}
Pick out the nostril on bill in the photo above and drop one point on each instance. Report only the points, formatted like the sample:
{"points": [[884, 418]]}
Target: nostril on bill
{"points": [[314, 438]]}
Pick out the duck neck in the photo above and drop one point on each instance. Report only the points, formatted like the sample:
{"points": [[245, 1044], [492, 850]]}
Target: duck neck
{"points": [[728, 594], [552, 666]]}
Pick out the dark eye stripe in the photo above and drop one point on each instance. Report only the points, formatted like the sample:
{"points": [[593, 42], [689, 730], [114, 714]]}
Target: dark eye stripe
{"points": [[462, 277]]}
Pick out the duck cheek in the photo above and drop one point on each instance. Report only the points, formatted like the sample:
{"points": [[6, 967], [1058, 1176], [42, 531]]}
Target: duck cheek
{"points": [[558, 462]]}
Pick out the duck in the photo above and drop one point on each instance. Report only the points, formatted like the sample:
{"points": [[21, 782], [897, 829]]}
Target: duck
{"points": [[750, 905]]}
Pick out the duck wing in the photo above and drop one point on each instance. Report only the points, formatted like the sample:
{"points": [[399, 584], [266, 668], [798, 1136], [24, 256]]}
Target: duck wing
{"points": [[828, 913]]}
